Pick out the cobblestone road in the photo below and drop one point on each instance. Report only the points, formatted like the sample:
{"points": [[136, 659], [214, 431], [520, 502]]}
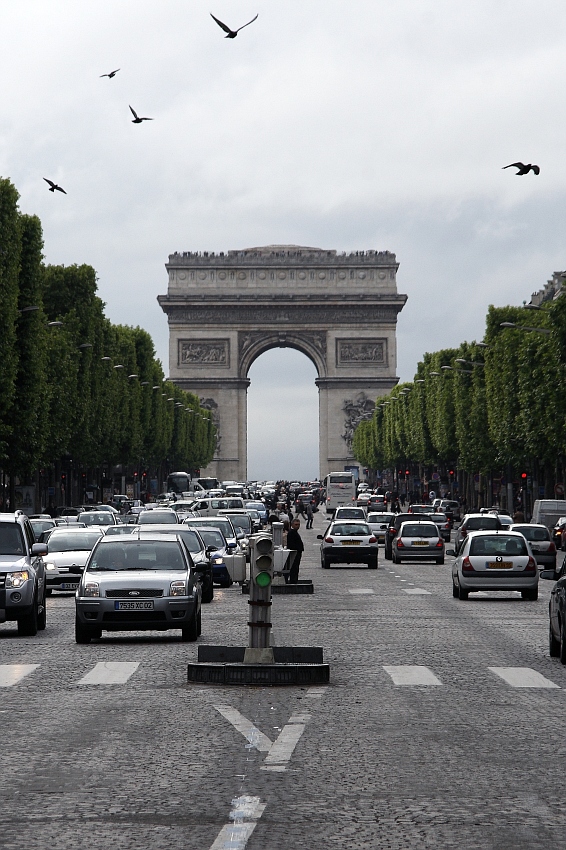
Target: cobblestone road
{"points": [[466, 759]]}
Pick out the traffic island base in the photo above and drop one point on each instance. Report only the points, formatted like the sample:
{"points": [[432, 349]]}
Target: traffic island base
{"points": [[301, 587], [292, 665]]}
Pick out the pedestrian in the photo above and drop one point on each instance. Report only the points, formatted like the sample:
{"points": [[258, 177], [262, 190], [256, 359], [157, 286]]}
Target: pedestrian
{"points": [[310, 515], [518, 516], [300, 510], [294, 541]]}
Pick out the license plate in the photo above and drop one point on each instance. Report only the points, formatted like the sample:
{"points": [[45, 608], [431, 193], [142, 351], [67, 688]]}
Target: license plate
{"points": [[350, 543], [419, 543], [145, 605], [69, 585], [499, 565]]}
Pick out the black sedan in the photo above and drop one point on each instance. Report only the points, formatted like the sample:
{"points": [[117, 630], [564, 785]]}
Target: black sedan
{"points": [[557, 615]]}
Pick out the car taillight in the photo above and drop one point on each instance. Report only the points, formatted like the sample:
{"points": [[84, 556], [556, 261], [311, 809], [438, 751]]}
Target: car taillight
{"points": [[447, 525], [400, 544], [463, 532], [329, 540], [439, 544], [552, 548], [467, 565], [372, 540], [531, 566]]}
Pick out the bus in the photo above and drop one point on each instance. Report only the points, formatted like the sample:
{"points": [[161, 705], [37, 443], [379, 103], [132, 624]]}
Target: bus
{"points": [[180, 483], [340, 490], [208, 483]]}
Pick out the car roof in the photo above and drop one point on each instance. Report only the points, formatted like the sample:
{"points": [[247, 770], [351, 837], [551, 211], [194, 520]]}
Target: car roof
{"points": [[418, 522], [489, 532]]}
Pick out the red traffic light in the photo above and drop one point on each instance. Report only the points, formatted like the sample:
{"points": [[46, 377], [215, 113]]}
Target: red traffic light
{"points": [[451, 472], [523, 474], [406, 472]]}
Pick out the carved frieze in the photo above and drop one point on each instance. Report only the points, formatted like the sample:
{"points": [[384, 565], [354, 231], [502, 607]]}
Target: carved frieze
{"points": [[361, 352], [204, 352], [297, 314], [356, 410]]}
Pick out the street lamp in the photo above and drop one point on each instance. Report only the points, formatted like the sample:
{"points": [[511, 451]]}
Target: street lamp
{"points": [[28, 309], [54, 324], [106, 359], [132, 376], [85, 345], [524, 328], [119, 366], [469, 362]]}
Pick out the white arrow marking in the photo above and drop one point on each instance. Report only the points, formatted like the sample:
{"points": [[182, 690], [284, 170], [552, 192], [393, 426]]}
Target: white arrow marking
{"points": [[11, 674], [288, 738], [246, 811], [252, 734]]}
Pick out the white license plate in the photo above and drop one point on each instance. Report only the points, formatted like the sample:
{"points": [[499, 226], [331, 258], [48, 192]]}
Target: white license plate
{"points": [[139, 605], [69, 585]]}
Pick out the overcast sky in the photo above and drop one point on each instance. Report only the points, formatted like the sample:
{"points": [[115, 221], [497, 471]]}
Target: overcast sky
{"points": [[350, 125]]}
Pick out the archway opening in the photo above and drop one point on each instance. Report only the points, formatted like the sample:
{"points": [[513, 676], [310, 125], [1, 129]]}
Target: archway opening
{"points": [[283, 428]]}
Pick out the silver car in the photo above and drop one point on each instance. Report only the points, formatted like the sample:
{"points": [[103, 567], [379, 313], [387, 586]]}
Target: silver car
{"points": [[542, 545], [68, 548], [418, 541], [138, 584], [494, 560], [379, 522]]}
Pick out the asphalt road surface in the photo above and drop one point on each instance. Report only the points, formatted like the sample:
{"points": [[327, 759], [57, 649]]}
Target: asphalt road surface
{"points": [[442, 726]]}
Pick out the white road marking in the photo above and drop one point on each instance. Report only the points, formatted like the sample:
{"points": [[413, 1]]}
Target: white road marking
{"points": [[411, 675], [522, 677], [252, 734], [316, 692], [245, 813], [110, 673], [360, 591], [417, 591], [11, 674], [288, 738], [403, 579]]}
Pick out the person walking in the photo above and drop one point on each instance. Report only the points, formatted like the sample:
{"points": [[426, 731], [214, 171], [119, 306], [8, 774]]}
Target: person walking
{"points": [[295, 541], [310, 515]]}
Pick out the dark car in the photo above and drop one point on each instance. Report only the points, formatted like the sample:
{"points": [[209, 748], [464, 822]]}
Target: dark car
{"points": [[557, 614], [393, 530]]}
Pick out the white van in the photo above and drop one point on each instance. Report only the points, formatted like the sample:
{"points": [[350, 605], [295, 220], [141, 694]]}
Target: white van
{"points": [[212, 507], [548, 511]]}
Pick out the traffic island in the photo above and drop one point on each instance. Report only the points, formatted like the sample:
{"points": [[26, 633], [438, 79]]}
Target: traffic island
{"points": [[302, 586], [260, 663]]}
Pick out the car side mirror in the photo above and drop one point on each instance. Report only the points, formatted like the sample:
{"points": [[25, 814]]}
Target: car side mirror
{"points": [[76, 570], [39, 549], [201, 569], [210, 549], [549, 575], [319, 537], [231, 545], [450, 552]]}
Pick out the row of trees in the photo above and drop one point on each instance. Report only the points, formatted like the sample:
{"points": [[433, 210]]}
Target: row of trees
{"points": [[72, 384], [495, 409]]}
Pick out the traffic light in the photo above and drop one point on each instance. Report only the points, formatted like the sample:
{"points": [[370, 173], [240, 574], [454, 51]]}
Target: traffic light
{"points": [[451, 473], [261, 556], [407, 472], [524, 476]]}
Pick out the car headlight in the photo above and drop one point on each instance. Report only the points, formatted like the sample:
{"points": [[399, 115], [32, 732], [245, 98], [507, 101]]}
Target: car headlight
{"points": [[50, 567], [217, 560], [91, 588], [178, 588], [17, 579]]}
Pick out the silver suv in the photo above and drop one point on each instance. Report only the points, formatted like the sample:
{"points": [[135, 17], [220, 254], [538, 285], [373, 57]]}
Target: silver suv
{"points": [[22, 574]]}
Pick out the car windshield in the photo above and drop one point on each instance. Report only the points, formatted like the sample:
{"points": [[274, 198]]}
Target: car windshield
{"points": [[157, 517], [382, 519], [97, 518], [351, 530], [114, 530], [139, 555], [532, 532], [499, 544], [66, 542], [11, 540], [418, 530], [223, 524], [242, 522], [486, 523], [350, 513], [213, 538]]}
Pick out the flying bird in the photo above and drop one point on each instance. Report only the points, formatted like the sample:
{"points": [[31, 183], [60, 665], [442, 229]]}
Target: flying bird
{"points": [[232, 33], [523, 169], [137, 119], [111, 74], [53, 186]]}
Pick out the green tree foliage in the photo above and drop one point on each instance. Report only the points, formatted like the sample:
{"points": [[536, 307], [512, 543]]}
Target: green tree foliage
{"points": [[10, 250]]}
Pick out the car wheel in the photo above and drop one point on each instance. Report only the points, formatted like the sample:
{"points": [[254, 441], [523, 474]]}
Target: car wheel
{"points": [[531, 595], [190, 631], [440, 560], [553, 644], [83, 634], [372, 564], [388, 554], [42, 616], [394, 558], [27, 626], [49, 591], [208, 593], [563, 644], [454, 589], [462, 594], [325, 564]]}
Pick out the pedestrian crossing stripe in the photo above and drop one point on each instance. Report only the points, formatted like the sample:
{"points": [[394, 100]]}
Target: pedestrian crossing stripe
{"points": [[401, 675]]}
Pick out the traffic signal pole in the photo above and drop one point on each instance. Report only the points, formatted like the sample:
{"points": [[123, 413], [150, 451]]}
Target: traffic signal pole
{"points": [[261, 578]]}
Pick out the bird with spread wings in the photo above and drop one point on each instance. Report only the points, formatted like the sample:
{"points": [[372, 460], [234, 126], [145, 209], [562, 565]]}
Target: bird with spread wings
{"points": [[232, 33], [53, 186], [137, 118], [523, 169]]}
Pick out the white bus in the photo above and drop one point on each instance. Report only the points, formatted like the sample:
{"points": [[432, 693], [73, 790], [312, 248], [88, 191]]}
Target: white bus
{"points": [[340, 490]]}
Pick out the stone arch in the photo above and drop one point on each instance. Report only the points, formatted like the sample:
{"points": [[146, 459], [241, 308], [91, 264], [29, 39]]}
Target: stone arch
{"points": [[340, 310]]}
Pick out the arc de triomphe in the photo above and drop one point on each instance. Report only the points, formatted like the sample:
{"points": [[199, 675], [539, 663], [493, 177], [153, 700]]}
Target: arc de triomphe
{"points": [[225, 310]]}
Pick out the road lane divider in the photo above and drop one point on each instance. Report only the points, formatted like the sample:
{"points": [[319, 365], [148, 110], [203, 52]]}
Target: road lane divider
{"points": [[283, 747], [245, 813], [411, 675], [11, 674], [110, 673], [250, 732], [522, 677]]}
